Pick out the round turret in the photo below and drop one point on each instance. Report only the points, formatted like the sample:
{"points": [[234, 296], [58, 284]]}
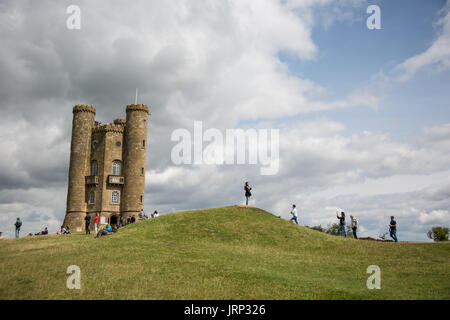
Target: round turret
{"points": [[134, 152], [80, 146]]}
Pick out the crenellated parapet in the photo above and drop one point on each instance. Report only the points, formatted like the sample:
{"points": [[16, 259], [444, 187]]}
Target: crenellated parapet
{"points": [[109, 127], [137, 107], [84, 108], [120, 121]]}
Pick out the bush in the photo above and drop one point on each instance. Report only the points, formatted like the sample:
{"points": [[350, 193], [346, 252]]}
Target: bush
{"points": [[438, 234], [318, 228]]}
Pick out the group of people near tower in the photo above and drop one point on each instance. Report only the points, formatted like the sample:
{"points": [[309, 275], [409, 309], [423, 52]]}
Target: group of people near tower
{"points": [[339, 214], [110, 229]]}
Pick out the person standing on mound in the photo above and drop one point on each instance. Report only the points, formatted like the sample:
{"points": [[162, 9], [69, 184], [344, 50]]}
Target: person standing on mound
{"points": [[393, 229], [341, 224], [96, 224], [354, 226], [87, 220], [248, 194], [18, 224], [294, 214]]}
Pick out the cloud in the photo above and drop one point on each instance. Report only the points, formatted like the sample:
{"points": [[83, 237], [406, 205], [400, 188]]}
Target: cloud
{"points": [[436, 56], [215, 61]]}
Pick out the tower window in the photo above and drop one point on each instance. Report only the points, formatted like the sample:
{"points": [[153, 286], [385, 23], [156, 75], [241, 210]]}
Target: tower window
{"points": [[116, 168], [142, 171], [143, 143], [91, 197], [94, 168], [115, 197], [142, 198]]}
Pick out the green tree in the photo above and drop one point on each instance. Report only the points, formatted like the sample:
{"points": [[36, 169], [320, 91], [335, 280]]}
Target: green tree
{"points": [[438, 234]]}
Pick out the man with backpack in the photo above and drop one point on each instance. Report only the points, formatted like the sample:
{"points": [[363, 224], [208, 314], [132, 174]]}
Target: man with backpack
{"points": [[354, 226], [341, 224], [18, 224], [87, 220]]}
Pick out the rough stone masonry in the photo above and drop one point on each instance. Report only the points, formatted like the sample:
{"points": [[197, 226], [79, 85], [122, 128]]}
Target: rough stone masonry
{"points": [[107, 166]]}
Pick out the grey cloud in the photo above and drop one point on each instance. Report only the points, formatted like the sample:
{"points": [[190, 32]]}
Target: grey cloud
{"points": [[210, 62]]}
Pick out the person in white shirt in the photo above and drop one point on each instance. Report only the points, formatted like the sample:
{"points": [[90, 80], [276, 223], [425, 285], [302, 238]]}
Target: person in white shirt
{"points": [[294, 213]]}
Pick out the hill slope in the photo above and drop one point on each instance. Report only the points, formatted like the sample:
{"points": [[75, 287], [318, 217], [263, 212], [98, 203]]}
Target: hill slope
{"points": [[223, 253]]}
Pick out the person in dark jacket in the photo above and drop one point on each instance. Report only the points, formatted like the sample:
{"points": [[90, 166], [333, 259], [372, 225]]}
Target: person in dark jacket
{"points": [[248, 194], [18, 224], [87, 220], [341, 223]]}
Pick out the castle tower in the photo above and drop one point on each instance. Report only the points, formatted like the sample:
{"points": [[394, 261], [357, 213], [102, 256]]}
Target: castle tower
{"points": [[107, 167], [134, 150], [80, 147]]}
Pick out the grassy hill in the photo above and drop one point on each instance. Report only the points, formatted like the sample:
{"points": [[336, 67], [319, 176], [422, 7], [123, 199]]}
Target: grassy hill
{"points": [[223, 253]]}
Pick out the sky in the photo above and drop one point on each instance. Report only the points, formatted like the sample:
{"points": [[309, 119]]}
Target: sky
{"points": [[363, 114]]}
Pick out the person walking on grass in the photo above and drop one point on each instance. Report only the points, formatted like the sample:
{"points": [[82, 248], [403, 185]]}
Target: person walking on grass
{"points": [[354, 226], [393, 229], [341, 223], [18, 224], [248, 194], [294, 214], [96, 224], [87, 220]]}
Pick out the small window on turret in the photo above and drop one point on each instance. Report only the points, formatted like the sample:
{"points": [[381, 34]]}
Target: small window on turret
{"points": [[141, 199], [142, 171], [143, 143]]}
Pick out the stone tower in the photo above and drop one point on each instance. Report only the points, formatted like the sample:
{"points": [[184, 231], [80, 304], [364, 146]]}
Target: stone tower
{"points": [[107, 166], [135, 145]]}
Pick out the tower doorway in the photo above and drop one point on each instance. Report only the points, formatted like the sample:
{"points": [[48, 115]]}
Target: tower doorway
{"points": [[113, 220]]}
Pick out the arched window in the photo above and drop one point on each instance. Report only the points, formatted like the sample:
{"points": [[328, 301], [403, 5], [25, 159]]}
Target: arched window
{"points": [[91, 197], [115, 197], [94, 168], [116, 168]]}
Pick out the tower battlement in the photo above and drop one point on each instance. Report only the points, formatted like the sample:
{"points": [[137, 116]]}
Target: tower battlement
{"points": [[84, 108], [137, 107], [108, 128], [107, 166], [120, 121]]}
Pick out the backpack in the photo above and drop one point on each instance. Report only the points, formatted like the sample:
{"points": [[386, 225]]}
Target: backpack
{"points": [[18, 224]]}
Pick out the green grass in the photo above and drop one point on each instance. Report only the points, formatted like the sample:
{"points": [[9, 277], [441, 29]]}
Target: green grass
{"points": [[224, 253]]}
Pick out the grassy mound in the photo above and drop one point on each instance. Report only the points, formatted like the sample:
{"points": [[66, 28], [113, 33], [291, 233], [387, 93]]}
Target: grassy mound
{"points": [[224, 253]]}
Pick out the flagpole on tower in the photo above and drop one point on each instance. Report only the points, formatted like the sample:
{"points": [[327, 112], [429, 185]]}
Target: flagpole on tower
{"points": [[136, 96]]}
